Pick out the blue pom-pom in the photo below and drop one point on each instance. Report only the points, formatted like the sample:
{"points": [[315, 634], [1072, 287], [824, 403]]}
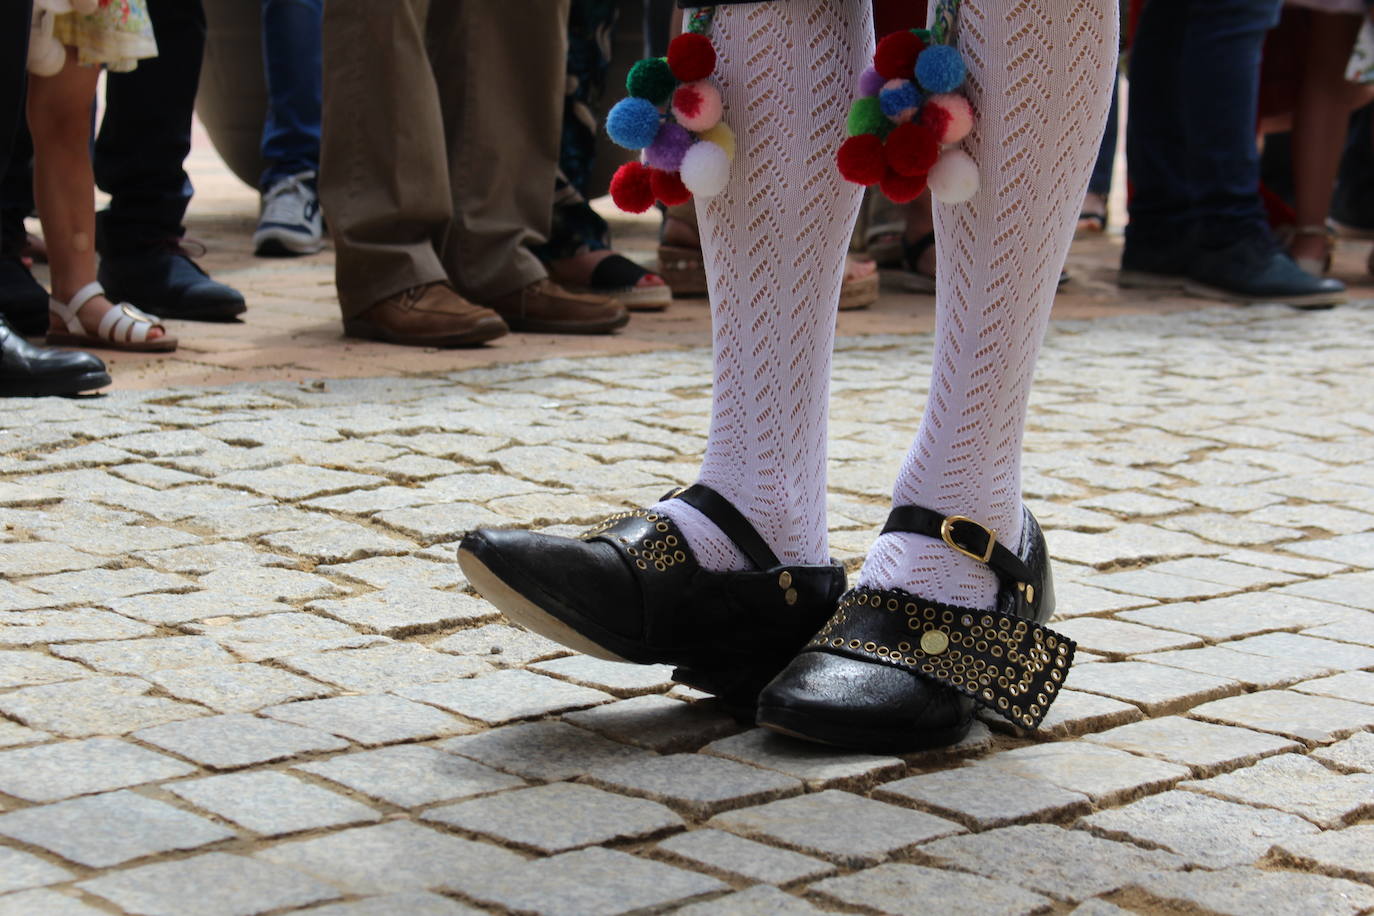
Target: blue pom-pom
{"points": [[940, 69], [898, 99], [633, 123]]}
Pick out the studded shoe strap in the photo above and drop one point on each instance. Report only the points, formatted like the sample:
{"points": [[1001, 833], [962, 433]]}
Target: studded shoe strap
{"points": [[1011, 665]]}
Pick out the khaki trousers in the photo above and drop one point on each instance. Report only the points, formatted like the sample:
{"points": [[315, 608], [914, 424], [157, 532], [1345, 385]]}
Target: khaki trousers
{"points": [[441, 127]]}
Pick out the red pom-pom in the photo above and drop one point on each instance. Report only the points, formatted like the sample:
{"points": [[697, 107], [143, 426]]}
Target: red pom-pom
{"points": [[901, 189], [668, 187], [911, 149], [861, 159], [632, 188], [938, 118], [691, 57], [896, 56]]}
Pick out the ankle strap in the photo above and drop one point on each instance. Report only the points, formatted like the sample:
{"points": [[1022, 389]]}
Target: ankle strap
{"points": [[975, 541], [731, 523]]}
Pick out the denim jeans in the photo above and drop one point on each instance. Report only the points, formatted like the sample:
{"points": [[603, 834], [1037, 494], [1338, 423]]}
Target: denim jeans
{"points": [[1190, 133], [292, 54], [1101, 180], [14, 50]]}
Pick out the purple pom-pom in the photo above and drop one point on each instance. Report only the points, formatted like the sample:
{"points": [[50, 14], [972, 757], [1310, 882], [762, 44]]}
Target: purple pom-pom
{"points": [[669, 147], [870, 82], [899, 97], [633, 123], [940, 69]]}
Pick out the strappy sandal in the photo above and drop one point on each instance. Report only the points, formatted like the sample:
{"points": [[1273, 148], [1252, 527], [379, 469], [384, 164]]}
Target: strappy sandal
{"points": [[630, 589], [618, 277], [894, 672], [1317, 267], [122, 327]]}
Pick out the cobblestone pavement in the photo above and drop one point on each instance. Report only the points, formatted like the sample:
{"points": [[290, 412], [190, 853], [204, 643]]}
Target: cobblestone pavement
{"points": [[241, 673]]}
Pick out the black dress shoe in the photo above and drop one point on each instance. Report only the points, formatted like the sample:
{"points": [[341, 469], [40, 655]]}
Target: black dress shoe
{"points": [[29, 371], [167, 283], [1253, 269], [894, 672], [23, 302], [631, 590]]}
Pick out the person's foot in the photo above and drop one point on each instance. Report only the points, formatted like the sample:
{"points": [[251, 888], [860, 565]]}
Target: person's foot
{"points": [[166, 282], [23, 301], [546, 307], [1092, 217], [608, 273], [431, 315], [1254, 269], [29, 371], [87, 318], [1153, 264], [290, 223]]}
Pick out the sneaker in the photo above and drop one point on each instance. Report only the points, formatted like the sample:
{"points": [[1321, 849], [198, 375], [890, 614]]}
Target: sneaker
{"points": [[290, 224], [546, 307], [1254, 269]]}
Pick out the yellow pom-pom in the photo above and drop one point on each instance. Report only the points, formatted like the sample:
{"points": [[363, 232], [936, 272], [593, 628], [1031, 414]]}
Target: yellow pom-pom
{"points": [[721, 135]]}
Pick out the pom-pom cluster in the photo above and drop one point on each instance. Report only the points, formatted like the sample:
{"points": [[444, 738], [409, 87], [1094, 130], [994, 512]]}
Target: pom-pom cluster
{"points": [[907, 116], [673, 115]]}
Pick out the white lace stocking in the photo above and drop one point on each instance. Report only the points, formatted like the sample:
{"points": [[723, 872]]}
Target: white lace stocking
{"points": [[1039, 71], [774, 243]]}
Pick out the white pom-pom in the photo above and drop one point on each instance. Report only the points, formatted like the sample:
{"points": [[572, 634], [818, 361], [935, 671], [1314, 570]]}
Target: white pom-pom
{"points": [[705, 169], [954, 178], [47, 57]]}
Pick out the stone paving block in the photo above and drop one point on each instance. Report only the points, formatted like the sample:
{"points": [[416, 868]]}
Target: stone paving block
{"points": [[238, 740], [243, 687], [93, 706], [214, 884], [1236, 616], [1255, 672], [40, 627], [549, 751], [1314, 719], [103, 830], [20, 870], [336, 542], [37, 558], [420, 903], [299, 481], [1354, 754], [1356, 630], [1297, 785], [46, 902], [169, 610], [199, 559], [1351, 589], [1073, 713], [391, 857], [695, 784], [1346, 549], [1247, 891], [428, 524], [860, 831], [558, 817], [600, 881], [272, 803], [259, 638], [409, 776], [15, 598], [1340, 853], [56, 771], [94, 585], [140, 656], [1116, 637], [504, 696], [1074, 599], [818, 766], [1128, 545], [251, 521], [500, 644], [23, 669], [1105, 775], [1069, 865], [1205, 747], [1356, 686], [370, 719], [405, 572], [1207, 832], [908, 890], [1225, 528], [1154, 688], [271, 583], [1151, 583], [383, 668], [984, 797], [736, 857], [12, 735], [617, 678], [1306, 648], [1225, 571], [756, 901], [403, 611], [1283, 562]]}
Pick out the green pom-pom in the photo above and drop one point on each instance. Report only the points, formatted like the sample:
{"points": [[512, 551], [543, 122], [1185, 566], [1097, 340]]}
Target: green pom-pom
{"points": [[866, 117], [923, 34], [651, 79]]}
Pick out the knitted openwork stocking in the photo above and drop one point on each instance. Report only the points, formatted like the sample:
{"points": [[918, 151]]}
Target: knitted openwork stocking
{"points": [[1039, 75], [774, 243]]}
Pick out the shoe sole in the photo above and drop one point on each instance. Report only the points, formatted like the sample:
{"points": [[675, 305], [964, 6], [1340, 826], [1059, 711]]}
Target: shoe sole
{"points": [[796, 724], [486, 330], [275, 246], [164, 344], [537, 326], [1313, 302], [1143, 279], [60, 387]]}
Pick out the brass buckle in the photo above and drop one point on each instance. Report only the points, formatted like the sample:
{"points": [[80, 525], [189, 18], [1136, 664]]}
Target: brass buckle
{"points": [[947, 535]]}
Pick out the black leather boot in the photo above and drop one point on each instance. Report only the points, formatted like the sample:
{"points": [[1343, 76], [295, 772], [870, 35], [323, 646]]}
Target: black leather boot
{"points": [[29, 371], [894, 672]]}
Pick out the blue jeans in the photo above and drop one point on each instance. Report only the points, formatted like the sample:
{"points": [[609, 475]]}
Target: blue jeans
{"points": [[1190, 133], [1101, 180], [292, 54]]}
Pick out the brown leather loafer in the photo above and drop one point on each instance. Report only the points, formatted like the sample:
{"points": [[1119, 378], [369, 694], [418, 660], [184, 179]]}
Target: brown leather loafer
{"points": [[546, 307], [432, 315]]}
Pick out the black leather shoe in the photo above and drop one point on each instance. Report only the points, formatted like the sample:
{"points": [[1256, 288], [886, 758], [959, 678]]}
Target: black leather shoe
{"points": [[894, 672], [1253, 270], [29, 371], [630, 590], [167, 283], [23, 302]]}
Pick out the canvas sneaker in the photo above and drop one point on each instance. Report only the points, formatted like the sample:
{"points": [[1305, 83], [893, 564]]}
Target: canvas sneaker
{"points": [[290, 223]]}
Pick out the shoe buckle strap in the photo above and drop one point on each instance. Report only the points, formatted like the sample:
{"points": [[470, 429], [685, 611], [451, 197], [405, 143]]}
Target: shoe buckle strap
{"points": [[949, 535], [972, 539], [731, 523]]}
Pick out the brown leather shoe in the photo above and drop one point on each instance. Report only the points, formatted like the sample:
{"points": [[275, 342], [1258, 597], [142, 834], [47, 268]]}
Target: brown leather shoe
{"points": [[546, 307], [432, 315]]}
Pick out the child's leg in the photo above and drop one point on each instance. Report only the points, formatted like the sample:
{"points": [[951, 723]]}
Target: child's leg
{"points": [[60, 120]]}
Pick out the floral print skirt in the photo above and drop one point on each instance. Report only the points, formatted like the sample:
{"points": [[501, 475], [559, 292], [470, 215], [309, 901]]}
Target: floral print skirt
{"points": [[117, 35]]}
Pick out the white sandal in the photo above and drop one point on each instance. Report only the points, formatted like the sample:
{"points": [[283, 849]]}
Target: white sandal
{"points": [[122, 328]]}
